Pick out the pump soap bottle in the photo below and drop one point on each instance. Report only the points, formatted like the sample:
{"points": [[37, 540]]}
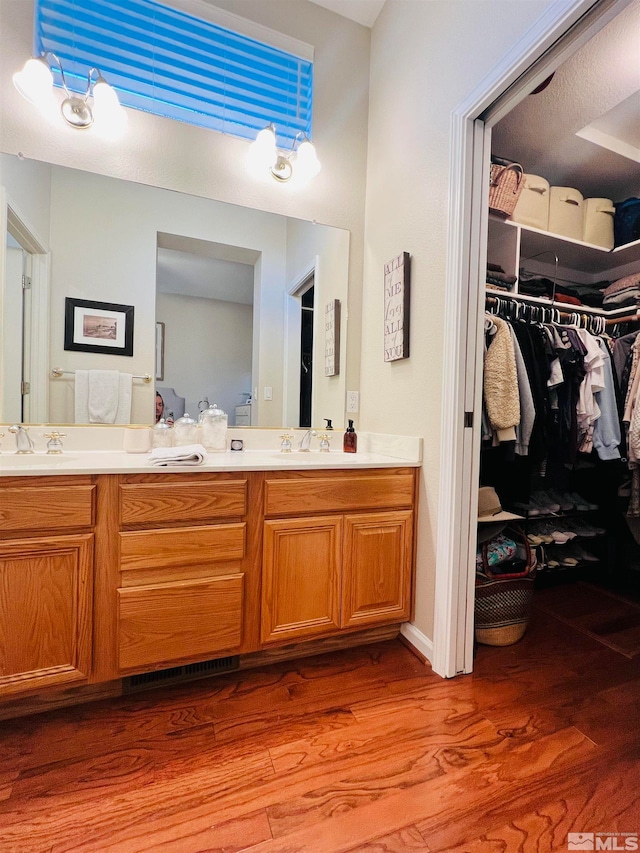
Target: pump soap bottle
{"points": [[350, 441]]}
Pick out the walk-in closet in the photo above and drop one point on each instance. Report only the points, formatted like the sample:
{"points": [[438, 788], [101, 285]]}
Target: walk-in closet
{"points": [[561, 387]]}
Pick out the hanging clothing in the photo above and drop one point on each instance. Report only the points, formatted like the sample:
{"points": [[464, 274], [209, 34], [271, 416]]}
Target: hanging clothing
{"points": [[501, 383]]}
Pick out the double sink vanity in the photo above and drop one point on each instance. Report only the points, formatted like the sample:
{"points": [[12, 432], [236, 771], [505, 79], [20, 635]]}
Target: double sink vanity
{"points": [[111, 568]]}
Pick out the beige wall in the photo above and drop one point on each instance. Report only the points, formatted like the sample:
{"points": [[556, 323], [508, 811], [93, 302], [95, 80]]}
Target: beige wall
{"points": [[426, 57]]}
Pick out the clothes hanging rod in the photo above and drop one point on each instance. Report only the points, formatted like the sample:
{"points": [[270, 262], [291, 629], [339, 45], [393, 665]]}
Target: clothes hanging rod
{"points": [[58, 371], [547, 303]]}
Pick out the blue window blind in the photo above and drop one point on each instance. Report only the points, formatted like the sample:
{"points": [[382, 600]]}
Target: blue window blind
{"points": [[175, 65]]}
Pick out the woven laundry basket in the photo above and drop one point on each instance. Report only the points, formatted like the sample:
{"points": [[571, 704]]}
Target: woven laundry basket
{"points": [[503, 602]]}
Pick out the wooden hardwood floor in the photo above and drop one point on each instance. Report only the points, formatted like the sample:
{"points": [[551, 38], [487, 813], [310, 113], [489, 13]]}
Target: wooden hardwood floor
{"points": [[361, 750]]}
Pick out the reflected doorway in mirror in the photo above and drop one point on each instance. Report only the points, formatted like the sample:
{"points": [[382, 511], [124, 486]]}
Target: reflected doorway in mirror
{"points": [[160, 351]]}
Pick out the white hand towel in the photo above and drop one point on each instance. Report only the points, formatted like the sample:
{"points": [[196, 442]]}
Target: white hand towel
{"points": [[188, 454], [104, 391], [82, 397], [102, 397], [123, 415]]}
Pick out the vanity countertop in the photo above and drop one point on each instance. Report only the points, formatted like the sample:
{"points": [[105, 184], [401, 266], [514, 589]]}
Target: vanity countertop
{"points": [[120, 462]]}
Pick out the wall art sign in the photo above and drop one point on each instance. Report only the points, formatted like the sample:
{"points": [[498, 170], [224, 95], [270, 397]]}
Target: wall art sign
{"points": [[332, 338], [98, 327], [396, 308]]}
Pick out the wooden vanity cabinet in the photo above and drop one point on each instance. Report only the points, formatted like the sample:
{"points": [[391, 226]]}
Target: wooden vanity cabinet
{"points": [[46, 582], [188, 576], [350, 567]]}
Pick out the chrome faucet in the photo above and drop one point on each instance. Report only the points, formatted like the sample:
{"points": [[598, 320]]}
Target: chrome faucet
{"points": [[24, 442], [304, 445]]}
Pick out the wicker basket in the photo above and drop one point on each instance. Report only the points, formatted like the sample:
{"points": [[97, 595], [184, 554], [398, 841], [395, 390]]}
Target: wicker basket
{"points": [[503, 602], [504, 188]]}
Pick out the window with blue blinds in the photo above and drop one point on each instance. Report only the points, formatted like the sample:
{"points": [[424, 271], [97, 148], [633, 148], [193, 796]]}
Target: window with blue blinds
{"points": [[176, 65]]}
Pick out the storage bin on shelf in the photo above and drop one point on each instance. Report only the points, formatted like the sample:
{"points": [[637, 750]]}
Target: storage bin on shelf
{"points": [[565, 212], [533, 205], [598, 222], [505, 186]]}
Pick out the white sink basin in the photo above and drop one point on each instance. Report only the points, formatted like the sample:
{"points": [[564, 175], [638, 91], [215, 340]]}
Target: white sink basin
{"points": [[34, 460]]}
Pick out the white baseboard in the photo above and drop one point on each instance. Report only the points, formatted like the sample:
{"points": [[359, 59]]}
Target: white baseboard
{"points": [[418, 640]]}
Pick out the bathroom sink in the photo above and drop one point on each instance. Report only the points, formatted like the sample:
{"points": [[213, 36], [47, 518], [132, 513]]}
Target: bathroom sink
{"points": [[34, 460]]}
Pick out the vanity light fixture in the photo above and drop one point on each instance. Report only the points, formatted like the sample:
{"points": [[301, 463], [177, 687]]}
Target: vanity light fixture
{"points": [[99, 101], [301, 159]]}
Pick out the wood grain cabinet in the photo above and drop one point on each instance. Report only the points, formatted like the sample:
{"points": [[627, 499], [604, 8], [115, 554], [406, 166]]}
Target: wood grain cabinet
{"points": [[341, 570], [186, 570], [46, 583]]}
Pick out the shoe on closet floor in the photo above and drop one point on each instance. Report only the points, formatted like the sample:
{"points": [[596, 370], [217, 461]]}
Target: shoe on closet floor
{"points": [[543, 499], [582, 555], [564, 501], [582, 504], [561, 556], [584, 530]]}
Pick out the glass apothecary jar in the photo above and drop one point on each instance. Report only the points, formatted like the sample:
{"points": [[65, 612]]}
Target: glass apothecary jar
{"points": [[213, 424], [186, 431], [162, 434]]}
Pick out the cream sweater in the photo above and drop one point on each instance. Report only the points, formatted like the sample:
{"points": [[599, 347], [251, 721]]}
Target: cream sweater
{"points": [[501, 383]]}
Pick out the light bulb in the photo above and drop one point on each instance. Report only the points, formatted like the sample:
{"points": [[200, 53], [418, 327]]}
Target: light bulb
{"points": [[35, 82], [263, 153], [307, 164], [107, 111]]}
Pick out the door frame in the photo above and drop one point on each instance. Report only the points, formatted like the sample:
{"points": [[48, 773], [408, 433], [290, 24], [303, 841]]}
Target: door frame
{"points": [[12, 218], [292, 301], [561, 30]]}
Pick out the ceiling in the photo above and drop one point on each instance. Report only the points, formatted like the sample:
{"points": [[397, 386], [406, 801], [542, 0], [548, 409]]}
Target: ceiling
{"points": [[595, 93], [362, 11]]}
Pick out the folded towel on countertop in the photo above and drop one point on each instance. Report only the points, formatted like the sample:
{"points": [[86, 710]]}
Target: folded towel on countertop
{"points": [[188, 454], [102, 397]]}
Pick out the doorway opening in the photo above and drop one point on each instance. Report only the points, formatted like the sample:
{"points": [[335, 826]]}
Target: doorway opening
{"points": [[559, 33], [306, 354]]}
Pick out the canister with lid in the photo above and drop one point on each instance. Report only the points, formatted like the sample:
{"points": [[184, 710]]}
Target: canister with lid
{"points": [[213, 423], [162, 434], [186, 430]]}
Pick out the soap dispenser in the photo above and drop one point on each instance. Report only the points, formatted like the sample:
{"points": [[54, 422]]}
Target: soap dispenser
{"points": [[350, 442]]}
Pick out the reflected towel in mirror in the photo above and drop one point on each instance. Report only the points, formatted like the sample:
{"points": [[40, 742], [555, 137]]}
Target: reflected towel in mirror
{"points": [[188, 454], [102, 397]]}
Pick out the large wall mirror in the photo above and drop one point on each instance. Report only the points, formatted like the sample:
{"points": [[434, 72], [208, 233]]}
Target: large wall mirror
{"points": [[229, 304]]}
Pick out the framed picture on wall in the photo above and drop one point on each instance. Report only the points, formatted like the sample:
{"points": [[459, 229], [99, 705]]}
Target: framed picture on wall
{"points": [[159, 350], [98, 327], [396, 308], [332, 338]]}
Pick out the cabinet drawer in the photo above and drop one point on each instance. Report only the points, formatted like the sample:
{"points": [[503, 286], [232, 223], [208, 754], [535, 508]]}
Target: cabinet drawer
{"points": [[289, 496], [192, 501], [166, 623], [39, 507], [162, 555]]}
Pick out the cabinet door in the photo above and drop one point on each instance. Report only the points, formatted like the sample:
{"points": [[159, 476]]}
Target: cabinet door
{"points": [[377, 571], [46, 587], [301, 578]]}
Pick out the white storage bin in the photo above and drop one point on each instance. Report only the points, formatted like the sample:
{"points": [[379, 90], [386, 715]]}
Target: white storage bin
{"points": [[597, 225], [565, 212], [533, 205]]}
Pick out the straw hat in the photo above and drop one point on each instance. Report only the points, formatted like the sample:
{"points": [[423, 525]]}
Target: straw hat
{"points": [[491, 517]]}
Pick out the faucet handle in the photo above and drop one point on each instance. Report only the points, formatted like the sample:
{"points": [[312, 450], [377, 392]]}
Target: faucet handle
{"points": [[54, 445], [325, 445], [285, 443]]}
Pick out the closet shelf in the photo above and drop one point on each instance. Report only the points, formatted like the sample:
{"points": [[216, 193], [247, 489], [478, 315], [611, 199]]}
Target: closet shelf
{"points": [[575, 254]]}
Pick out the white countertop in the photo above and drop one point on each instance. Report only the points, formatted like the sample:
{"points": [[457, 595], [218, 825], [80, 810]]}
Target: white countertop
{"points": [[120, 462], [87, 451]]}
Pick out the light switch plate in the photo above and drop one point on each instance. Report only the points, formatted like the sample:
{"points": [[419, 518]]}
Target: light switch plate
{"points": [[268, 392]]}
